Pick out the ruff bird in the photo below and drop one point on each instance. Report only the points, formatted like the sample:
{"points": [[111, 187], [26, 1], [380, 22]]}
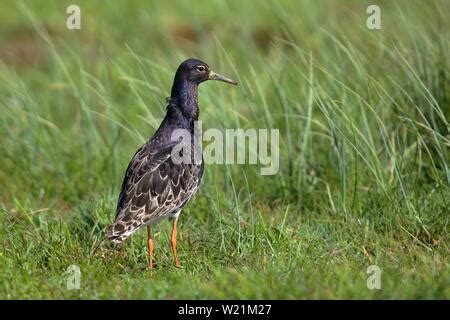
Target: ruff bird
{"points": [[160, 180]]}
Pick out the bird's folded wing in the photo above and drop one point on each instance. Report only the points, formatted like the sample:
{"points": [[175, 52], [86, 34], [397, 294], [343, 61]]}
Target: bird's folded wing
{"points": [[154, 186]]}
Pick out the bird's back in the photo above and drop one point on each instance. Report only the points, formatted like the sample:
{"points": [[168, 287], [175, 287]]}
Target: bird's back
{"points": [[155, 187]]}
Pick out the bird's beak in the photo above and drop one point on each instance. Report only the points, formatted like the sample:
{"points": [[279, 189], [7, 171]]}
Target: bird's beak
{"points": [[216, 76]]}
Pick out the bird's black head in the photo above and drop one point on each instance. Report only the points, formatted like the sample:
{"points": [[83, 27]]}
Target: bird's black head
{"points": [[189, 75], [196, 72]]}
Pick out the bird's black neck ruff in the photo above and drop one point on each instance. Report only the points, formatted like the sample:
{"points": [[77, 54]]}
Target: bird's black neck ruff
{"points": [[183, 102], [182, 108], [184, 97]]}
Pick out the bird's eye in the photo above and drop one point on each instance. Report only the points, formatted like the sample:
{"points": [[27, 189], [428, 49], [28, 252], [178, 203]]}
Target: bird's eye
{"points": [[201, 68]]}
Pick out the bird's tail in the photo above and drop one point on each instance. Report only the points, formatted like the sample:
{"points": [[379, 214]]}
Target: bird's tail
{"points": [[119, 231]]}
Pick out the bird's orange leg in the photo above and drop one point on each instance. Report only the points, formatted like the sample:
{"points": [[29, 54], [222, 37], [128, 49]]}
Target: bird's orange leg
{"points": [[173, 241], [150, 249]]}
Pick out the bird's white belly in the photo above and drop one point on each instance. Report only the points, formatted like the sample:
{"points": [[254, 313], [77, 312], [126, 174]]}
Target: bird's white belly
{"points": [[157, 219]]}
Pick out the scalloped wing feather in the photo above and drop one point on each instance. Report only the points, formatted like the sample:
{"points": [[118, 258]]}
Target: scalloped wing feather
{"points": [[154, 187]]}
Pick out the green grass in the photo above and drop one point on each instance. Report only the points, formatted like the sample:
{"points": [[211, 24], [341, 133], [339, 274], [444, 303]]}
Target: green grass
{"points": [[364, 145]]}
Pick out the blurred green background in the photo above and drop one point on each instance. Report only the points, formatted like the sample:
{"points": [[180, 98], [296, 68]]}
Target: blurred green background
{"points": [[364, 139]]}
